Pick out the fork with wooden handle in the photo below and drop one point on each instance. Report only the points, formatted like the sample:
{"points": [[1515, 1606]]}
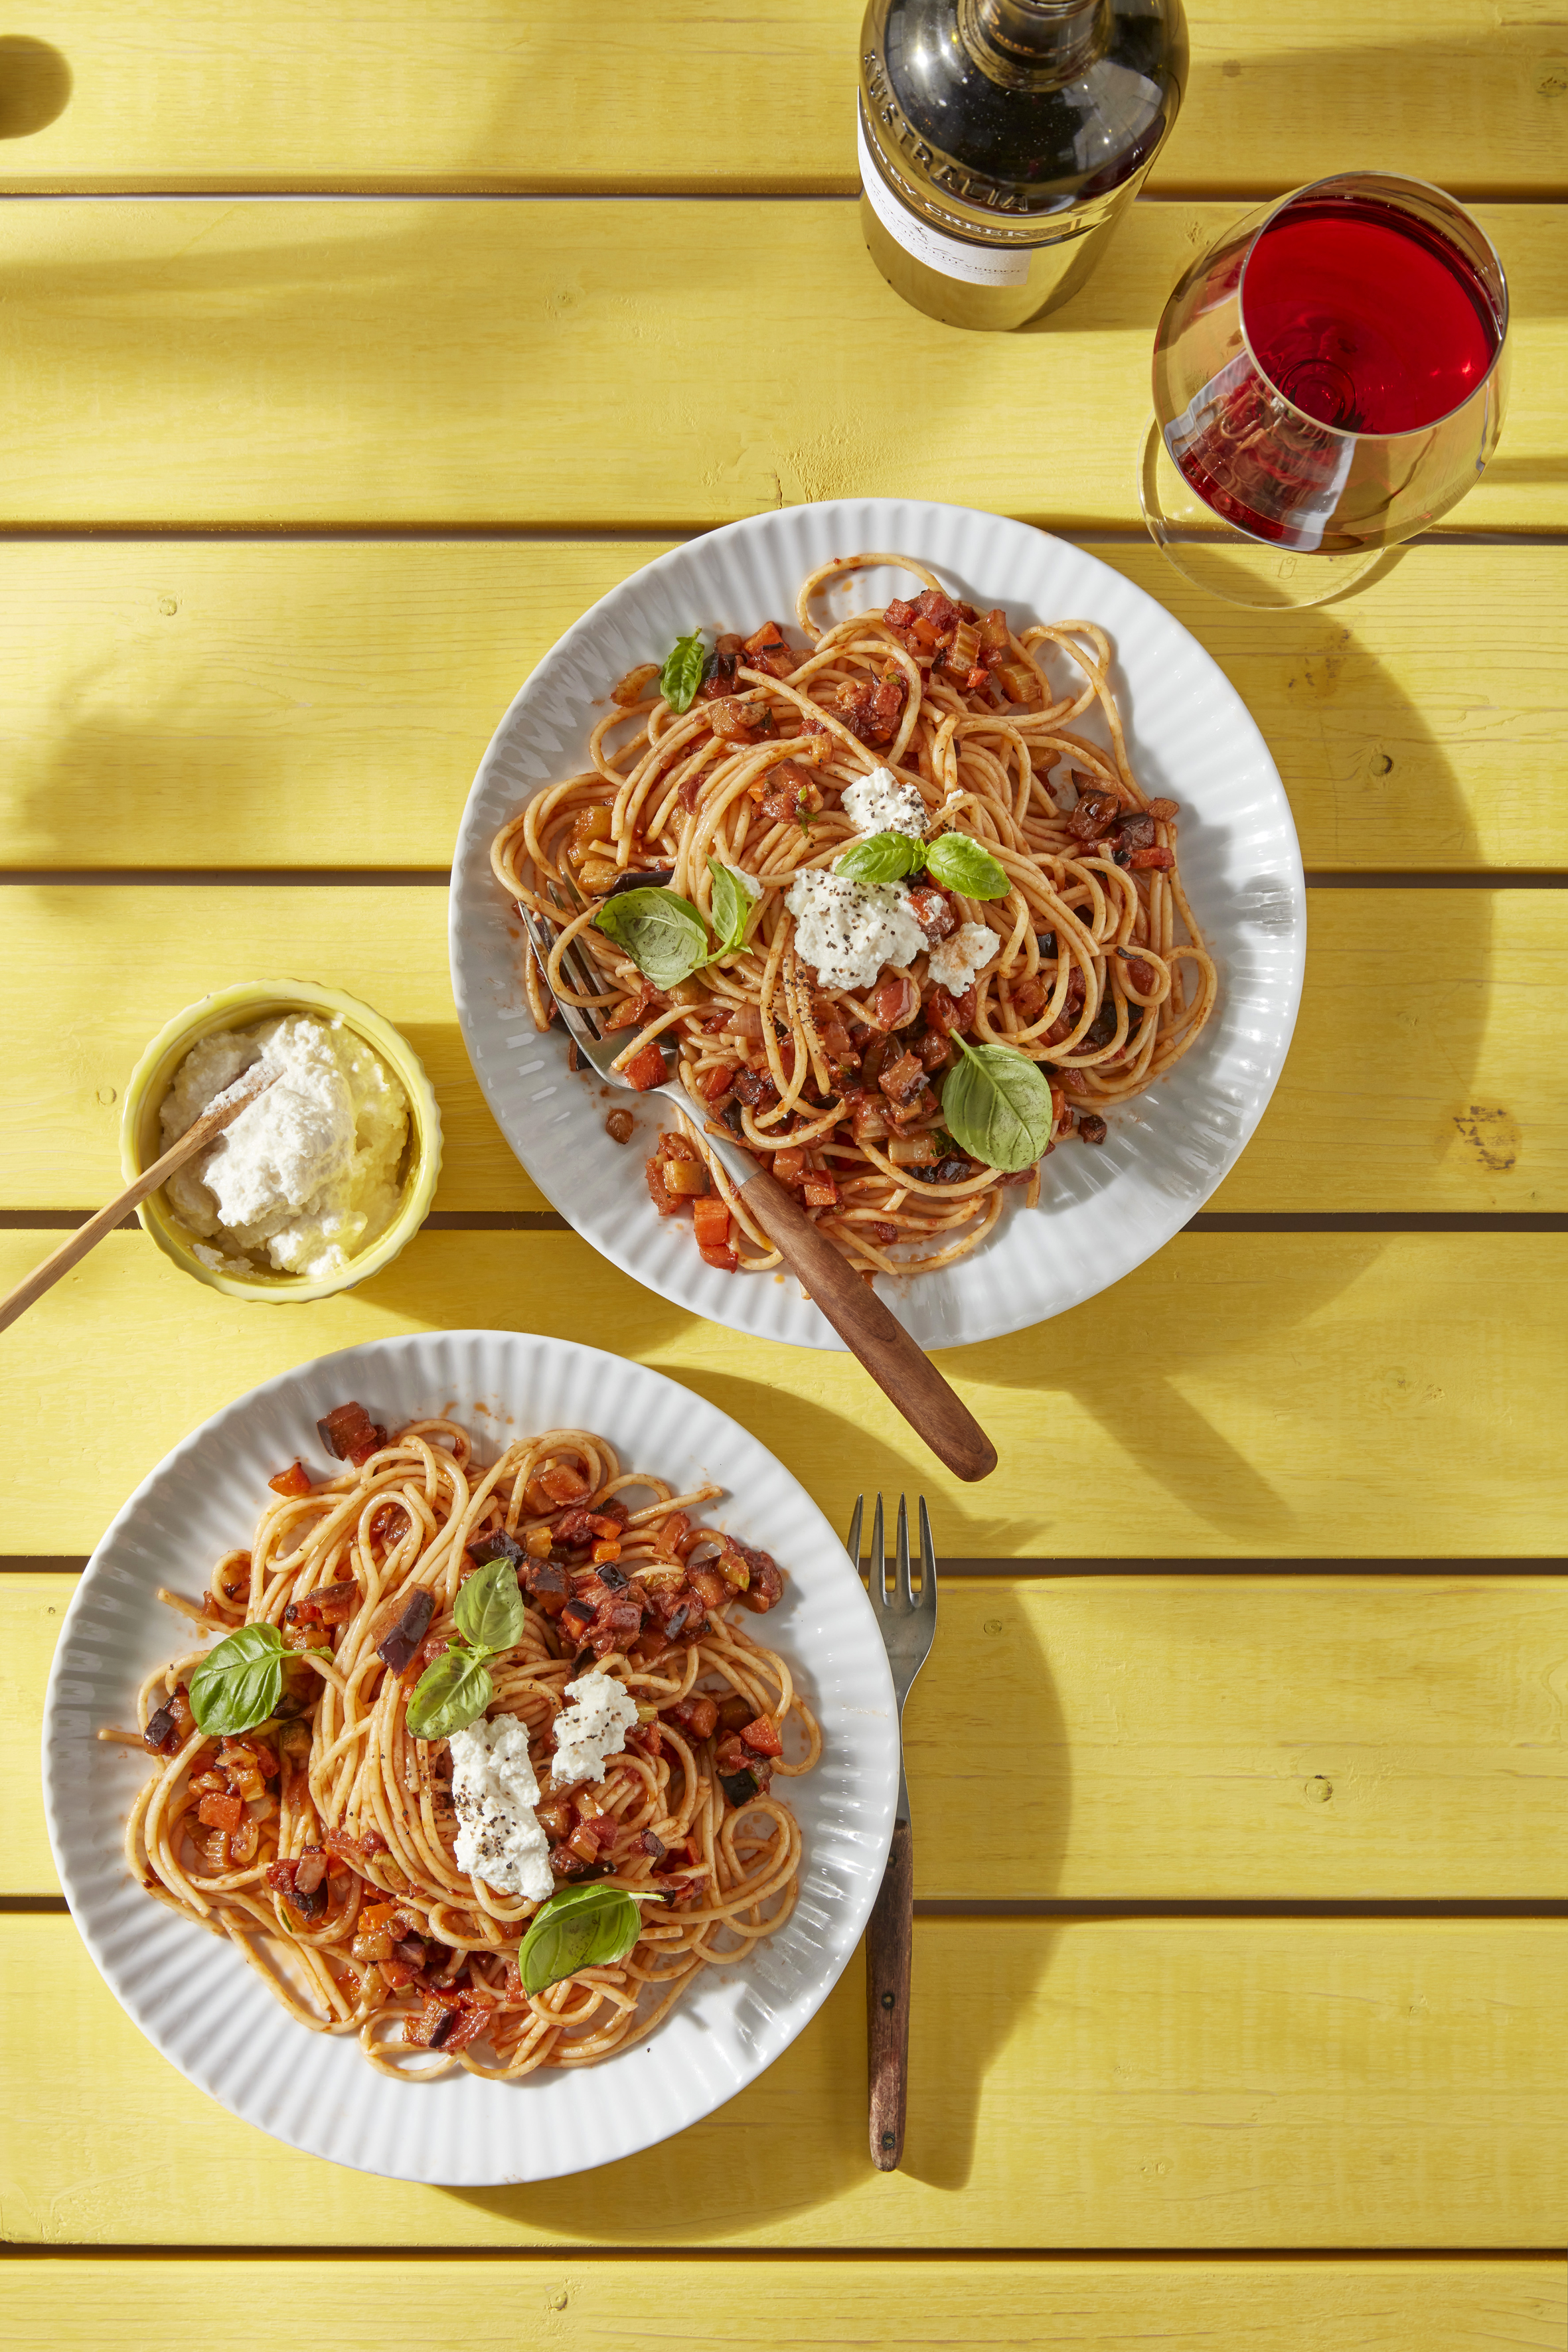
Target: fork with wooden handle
{"points": [[72, 1252], [907, 1622], [897, 1364]]}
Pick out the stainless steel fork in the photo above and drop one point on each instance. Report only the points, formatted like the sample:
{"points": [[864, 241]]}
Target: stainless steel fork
{"points": [[908, 1622], [900, 1367]]}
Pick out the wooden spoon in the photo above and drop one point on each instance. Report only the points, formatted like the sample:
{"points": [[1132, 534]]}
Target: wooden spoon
{"points": [[86, 1237]]}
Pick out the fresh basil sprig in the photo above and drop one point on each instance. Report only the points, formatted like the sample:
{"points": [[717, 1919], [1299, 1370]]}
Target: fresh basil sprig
{"points": [[580, 1927], [682, 673], [962, 864], [732, 903], [456, 1688], [665, 936], [952, 859], [239, 1683], [882, 857], [997, 1107]]}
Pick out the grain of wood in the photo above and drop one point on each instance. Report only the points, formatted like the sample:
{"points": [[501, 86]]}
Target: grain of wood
{"points": [[1257, 1395], [192, 703], [1197, 1737], [942, 2306], [1268, 2084], [673, 97], [271, 364], [1414, 1083]]}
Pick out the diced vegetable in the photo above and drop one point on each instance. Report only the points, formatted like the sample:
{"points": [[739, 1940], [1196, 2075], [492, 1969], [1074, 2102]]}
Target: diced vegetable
{"points": [[349, 1432], [294, 1481], [710, 1220], [820, 1189], [647, 1068], [563, 1484], [686, 1179], [761, 1736]]}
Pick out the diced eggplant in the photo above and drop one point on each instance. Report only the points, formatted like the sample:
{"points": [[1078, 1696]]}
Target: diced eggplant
{"points": [[740, 1788], [161, 1735], [397, 1647], [499, 1545]]}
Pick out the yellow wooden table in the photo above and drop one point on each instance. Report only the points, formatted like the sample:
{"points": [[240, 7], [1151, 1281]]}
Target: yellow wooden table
{"points": [[349, 354]]}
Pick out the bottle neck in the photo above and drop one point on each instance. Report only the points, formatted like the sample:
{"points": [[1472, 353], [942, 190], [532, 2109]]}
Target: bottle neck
{"points": [[1032, 44]]}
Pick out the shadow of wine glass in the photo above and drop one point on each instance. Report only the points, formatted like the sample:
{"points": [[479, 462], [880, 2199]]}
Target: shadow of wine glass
{"points": [[34, 86]]}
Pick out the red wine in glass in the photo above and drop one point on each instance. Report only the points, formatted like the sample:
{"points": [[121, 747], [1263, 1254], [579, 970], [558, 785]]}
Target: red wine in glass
{"points": [[1327, 379]]}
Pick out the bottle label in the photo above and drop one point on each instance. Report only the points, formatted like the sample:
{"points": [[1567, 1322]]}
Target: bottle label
{"points": [[977, 264]]}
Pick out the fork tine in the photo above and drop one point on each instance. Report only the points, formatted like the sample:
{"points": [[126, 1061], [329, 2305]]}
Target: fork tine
{"points": [[852, 1541], [879, 1575], [906, 1596], [928, 1561], [580, 974], [541, 942]]}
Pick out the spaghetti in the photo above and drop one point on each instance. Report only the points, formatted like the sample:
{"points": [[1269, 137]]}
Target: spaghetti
{"points": [[1092, 966], [321, 1840]]}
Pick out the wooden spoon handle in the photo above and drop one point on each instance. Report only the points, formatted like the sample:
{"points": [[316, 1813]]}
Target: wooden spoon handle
{"points": [[901, 1369], [86, 1237], [889, 1933]]}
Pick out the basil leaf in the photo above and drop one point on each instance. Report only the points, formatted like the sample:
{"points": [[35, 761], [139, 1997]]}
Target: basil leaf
{"points": [[581, 1927], [451, 1693], [882, 857], [732, 903], [239, 1684], [665, 936], [489, 1610], [961, 865], [997, 1107], [682, 673]]}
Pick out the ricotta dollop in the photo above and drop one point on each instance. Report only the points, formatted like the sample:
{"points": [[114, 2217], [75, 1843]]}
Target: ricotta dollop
{"points": [[307, 1177], [953, 962], [494, 1791], [592, 1728], [848, 931], [880, 804]]}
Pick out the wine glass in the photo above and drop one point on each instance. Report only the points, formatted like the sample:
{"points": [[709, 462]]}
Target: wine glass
{"points": [[1329, 378]]}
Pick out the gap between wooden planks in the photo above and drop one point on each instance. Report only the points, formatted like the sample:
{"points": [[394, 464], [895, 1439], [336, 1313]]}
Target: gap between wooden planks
{"points": [[294, 703], [278, 365], [672, 96], [1415, 1082], [939, 2305], [1285, 1735], [1263, 1396], [1086, 2083]]}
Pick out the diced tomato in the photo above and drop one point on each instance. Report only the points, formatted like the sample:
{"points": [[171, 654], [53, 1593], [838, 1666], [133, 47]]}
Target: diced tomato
{"points": [[659, 1194], [647, 1069], [716, 1082], [761, 1736], [953, 1015], [789, 1166], [710, 1220], [896, 1001], [221, 1813], [724, 1260], [563, 1484], [295, 1480], [821, 1191], [1151, 861], [671, 1535]]}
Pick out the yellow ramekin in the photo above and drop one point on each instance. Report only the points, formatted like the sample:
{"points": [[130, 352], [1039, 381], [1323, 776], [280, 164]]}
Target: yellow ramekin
{"points": [[141, 1140]]}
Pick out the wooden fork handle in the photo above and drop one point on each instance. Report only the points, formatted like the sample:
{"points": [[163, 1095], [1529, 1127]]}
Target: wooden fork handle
{"points": [[902, 1370], [889, 1934]]}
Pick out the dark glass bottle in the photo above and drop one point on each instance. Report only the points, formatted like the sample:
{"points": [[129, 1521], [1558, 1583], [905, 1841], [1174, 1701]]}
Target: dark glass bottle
{"points": [[1001, 140]]}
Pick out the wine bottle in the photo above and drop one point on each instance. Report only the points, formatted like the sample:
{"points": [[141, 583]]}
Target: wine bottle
{"points": [[1000, 141]]}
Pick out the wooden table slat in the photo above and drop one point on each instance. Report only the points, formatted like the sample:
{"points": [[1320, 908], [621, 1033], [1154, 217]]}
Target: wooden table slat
{"points": [[1268, 2084], [199, 703], [1266, 1395], [673, 95], [1415, 1084], [318, 363], [1273, 1730], [1376, 2306]]}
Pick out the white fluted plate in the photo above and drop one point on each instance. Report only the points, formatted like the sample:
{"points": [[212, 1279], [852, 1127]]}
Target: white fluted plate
{"points": [[194, 1997], [1102, 1212]]}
